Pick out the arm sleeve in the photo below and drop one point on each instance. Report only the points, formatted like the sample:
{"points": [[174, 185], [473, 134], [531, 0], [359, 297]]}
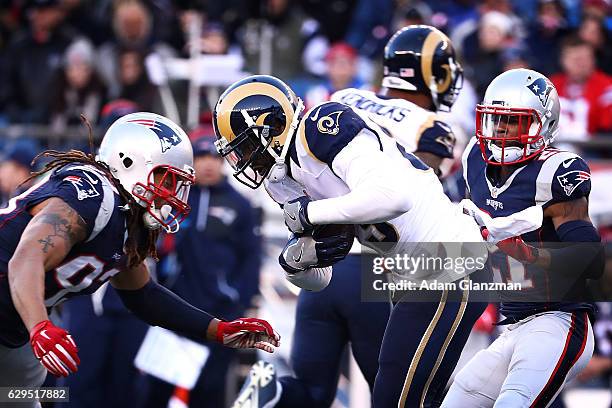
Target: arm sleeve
{"points": [[379, 191], [158, 306], [584, 256]]}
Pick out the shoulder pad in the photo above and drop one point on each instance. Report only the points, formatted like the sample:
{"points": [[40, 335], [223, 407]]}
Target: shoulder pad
{"points": [[328, 128], [88, 191], [564, 176], [436, 137], [338, 95]]}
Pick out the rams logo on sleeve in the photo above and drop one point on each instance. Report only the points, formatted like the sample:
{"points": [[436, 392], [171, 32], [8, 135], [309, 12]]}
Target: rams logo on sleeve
{"points": [[330, 123]]}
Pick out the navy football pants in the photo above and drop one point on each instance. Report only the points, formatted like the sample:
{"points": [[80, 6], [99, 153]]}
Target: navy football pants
{"points": [[421, 347], [326, 322]]}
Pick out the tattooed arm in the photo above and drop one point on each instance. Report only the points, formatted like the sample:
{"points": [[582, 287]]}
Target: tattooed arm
{"points": [[45, 242]]}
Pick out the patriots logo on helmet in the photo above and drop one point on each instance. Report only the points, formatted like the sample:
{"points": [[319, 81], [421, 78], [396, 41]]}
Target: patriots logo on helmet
{"points": [[572, 179], [167, 136], [540, 88]]}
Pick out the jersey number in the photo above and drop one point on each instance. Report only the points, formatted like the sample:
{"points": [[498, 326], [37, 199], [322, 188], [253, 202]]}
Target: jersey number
{"points": [[377, 233], [77, 275]]}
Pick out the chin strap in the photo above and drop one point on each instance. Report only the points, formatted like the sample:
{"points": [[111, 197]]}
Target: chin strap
{"points": [[151, 223], [279, 170]]}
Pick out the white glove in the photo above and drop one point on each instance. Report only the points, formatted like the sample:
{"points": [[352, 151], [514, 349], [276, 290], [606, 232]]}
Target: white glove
{"points": [[501, 228]]}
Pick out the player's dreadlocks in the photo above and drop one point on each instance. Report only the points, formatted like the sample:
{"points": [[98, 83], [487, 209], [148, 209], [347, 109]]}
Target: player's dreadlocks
{"points": [[140, 241]]}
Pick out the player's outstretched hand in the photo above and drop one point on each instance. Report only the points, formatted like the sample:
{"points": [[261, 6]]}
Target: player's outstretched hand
{"points": [[296, 215], [516, 248], [54, 348], [248, 332]]}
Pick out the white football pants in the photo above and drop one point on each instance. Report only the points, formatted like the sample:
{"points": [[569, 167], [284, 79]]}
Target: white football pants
{"points": [[527, 365]]}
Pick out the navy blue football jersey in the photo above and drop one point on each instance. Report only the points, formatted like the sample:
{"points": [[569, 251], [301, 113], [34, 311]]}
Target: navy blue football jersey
{"points": [[554, 176], [89, 264]]}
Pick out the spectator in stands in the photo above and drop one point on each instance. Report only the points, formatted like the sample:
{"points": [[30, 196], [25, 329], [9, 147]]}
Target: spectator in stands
{"points": [[134, 83], [133, 30], [369, 31], [78, 89], [515, 57], [482, 50], [276, 43], [15, 167], [544, 36], [213, 262], [593, 31], [8, 25], [412, 13], [115, 109], [341, 62], [585, 92], [35, 58]]}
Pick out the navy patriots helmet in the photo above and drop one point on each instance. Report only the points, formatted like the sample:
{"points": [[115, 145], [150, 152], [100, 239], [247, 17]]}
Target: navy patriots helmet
{"points": [[420, 58], [255, 120]]}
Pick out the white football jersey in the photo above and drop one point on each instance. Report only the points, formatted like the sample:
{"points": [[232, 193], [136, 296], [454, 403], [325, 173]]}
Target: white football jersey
{"points": [[415, 128], [337, 148]]}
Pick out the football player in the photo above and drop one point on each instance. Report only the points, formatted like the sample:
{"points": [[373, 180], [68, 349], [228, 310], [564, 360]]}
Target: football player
{"points": [[338, 313], [344, 169], [91, 220], [509, 166]]}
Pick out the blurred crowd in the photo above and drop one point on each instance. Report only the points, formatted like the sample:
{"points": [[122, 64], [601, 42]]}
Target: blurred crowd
{"points": [[63, 58]]}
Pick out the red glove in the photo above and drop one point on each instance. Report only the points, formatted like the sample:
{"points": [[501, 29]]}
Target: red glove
{"points": [[516, 248], [54, 348], [248, 332]]}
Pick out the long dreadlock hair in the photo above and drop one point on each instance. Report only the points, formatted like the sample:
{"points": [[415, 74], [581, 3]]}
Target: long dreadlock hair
{"points": [[140, 242]]}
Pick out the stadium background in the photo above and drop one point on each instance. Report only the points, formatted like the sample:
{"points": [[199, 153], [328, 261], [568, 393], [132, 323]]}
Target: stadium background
{"points": [[102, 58]]}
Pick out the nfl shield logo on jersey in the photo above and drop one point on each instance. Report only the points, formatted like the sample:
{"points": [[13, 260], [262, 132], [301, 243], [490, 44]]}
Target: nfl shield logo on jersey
{"points": [[572, 179]]}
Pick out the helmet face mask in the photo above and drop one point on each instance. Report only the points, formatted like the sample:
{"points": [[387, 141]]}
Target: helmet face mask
{"points": [[165, 196], [248, 155], [152, 158], [511, 135], [255, 121], [518, 118]]}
